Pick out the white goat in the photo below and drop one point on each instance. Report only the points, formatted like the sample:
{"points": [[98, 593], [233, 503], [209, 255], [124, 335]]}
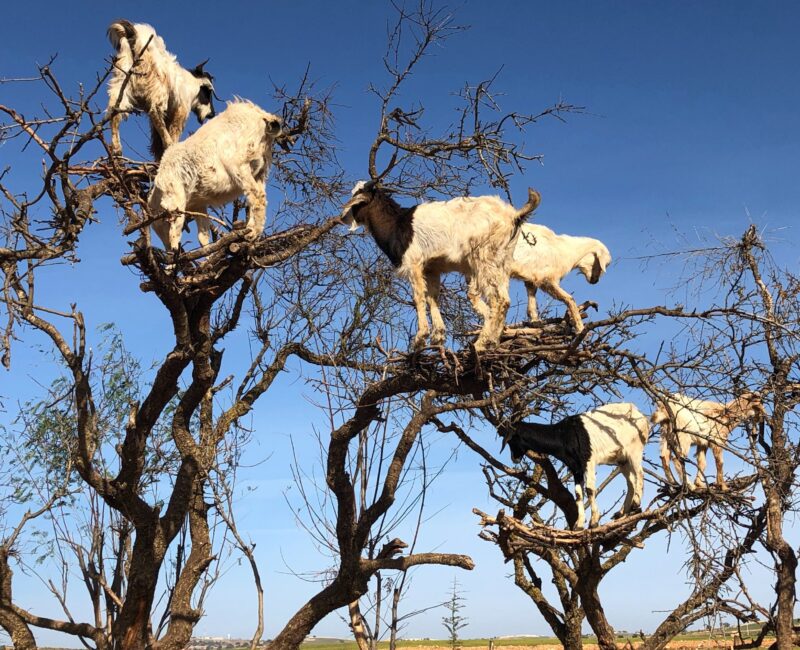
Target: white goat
{"points": [[613, 434], [686, 421], [542, 259], [229, 156], [474, 236], [156, 84]]}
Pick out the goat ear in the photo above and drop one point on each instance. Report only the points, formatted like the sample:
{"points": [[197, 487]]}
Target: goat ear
{"points": [[369, 186], [273, 126]]}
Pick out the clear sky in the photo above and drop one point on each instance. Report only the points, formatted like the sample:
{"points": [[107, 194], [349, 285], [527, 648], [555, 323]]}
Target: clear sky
{"points": [[691, 124]]}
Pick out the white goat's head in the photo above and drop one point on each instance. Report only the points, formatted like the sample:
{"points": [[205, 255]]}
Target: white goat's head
{"points": [[202, 105], [594, 264], [363, 192]]}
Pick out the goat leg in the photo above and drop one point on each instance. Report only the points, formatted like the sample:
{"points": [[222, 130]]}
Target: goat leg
{"points": [[717, 451]]}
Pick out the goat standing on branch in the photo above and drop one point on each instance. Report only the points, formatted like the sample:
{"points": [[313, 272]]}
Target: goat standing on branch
{"points": [[613, 434], [227, 157], [473, 236], [147, 77], [542, 259], [686, 421]]}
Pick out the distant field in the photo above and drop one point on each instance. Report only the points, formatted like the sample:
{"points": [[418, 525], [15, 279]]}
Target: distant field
{"points": [[692, 640]]}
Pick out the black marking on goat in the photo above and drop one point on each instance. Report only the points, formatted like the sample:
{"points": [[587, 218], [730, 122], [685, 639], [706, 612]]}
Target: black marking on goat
{"points": [[567, 441], [596, 271], [130, 30], [390, 224]]}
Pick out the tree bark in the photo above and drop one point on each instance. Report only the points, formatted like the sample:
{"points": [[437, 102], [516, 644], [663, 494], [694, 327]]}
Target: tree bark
{"points": [[589, 575], [10, 620]]}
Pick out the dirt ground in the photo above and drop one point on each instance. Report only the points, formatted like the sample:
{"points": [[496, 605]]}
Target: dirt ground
{"points": [[717, 644]]}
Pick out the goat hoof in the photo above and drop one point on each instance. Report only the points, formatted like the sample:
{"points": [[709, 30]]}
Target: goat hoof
{"points": [[418, 343]]}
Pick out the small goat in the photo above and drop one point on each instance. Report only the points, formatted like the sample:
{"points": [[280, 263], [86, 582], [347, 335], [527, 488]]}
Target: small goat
{"points": [[686, 421], [229, 156], [473, 236], [613, 434], [542, 259], [155, 84]]}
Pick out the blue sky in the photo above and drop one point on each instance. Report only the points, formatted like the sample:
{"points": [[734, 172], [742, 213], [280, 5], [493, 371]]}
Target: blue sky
{"points": [[690, 125]]}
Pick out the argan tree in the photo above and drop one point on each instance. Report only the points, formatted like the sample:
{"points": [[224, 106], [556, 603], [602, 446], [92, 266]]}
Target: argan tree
{"points": [[156, 459]]}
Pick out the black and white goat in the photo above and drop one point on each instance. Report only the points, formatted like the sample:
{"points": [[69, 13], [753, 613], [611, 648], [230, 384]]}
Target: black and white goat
{"points": [[229, 156], [155, 84], [542, 259], [473, 236], [613, 434]]}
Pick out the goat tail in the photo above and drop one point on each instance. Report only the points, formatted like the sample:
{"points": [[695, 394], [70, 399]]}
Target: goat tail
{"points": [[534, 199], [121, 30]]}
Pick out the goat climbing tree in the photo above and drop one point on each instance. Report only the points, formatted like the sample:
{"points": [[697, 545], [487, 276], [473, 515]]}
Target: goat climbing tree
{"points": [[149, 456]]}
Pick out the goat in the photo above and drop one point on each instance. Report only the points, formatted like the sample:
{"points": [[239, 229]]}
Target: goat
{"points": [[542, 259], [686, 421], [155, 84], [226, 157], [474, 236], [613, 434]]}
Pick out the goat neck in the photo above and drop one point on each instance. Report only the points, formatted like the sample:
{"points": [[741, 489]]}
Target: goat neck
{"points": [[390, 225]]}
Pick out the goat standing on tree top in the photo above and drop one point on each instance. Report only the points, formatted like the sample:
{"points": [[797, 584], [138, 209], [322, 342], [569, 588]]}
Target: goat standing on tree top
{"points": [[686, 421], [473, 236], [229, 156], [542, 259], [613, 434], [147, 77]]}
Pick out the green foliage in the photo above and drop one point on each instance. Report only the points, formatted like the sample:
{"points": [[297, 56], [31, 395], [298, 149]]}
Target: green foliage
{"points": [[454, 621]]}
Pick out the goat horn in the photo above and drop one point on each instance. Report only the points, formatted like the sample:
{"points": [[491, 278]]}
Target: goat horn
{"points": [[506, 438], [199, 66]]}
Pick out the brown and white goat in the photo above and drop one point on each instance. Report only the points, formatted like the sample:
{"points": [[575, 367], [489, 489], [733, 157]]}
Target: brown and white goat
{"points": [[473, 236], [542, 259], [686, 421], [147, 77], [229, 156]]}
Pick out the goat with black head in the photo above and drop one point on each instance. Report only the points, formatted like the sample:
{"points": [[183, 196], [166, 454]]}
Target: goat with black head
{"points": [[472, 236], [613, 434], [147, 77]]}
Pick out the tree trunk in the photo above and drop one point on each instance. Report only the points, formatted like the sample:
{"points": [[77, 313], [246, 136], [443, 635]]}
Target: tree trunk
{"points": [[336, 595], [785, 569], [130, 631], [590, 573], [357, 625], [395, 622], [10, 621], [572, 637]]}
